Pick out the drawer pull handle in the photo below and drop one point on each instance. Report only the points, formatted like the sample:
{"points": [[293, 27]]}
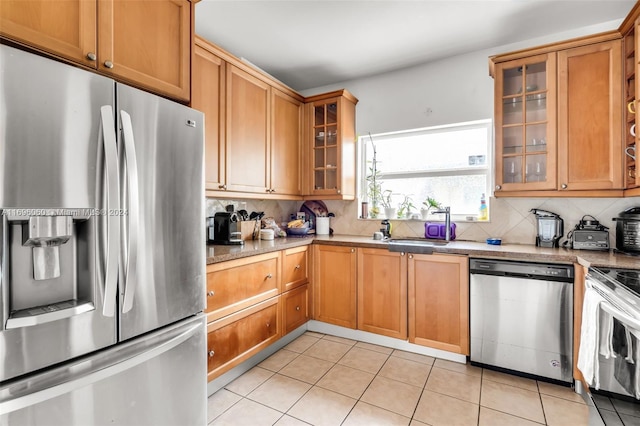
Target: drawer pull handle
{"points": [[211, 354], [211, 293], [297, 267], [297, 308], [269, 276]]}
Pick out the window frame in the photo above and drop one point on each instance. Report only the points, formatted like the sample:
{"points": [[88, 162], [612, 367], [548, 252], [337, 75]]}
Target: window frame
{"points": [[487, 169]]}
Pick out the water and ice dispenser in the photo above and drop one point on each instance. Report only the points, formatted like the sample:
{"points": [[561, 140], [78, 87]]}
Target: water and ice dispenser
{"points": [[48, 266]]}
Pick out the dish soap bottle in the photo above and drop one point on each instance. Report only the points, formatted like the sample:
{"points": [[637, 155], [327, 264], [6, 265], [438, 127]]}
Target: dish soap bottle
{"points": [[484, 212]]}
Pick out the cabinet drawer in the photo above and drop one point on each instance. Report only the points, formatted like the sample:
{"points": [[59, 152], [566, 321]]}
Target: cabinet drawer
{"points": [[295, 308], [295, 264], [238, 284], [234, 339]]}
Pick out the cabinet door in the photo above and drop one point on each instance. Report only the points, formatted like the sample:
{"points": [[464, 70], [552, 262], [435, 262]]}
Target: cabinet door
{"points": [[147, 43], [240, 283], [382, 292], [590, 117], [334, 285], [208, 96], [295, 308], [63, 28], [332, 163], [525, 114], [295, 264], [234, 339], [248, 110], [286, 134], [439, 302]]}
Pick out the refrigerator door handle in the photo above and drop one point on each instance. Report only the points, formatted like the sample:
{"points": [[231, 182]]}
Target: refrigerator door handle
{"points": [[133, 214], [113, 221]]}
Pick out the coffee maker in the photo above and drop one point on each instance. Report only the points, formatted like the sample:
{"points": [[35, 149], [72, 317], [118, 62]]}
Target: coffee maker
{"points": [[550, 228], [222, 228]]}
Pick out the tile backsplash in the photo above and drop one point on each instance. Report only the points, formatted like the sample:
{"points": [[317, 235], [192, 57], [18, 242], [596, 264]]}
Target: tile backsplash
{"points": [[510, 218]]}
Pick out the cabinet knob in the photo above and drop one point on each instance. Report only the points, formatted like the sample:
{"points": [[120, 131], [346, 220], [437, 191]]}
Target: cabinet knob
{"points": [[211, 354], [272, 190], [338, 191], [222, 186], [108, 64], [498, 186], [297, 308], [353, 250], [211, 293], [401, 253], [410, 256], [563, 186], [297, 267], [268, 324], [269, 276], [91, 56]]}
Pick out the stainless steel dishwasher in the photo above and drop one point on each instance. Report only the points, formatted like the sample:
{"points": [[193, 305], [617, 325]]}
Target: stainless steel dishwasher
{"points": [[522, 317]]}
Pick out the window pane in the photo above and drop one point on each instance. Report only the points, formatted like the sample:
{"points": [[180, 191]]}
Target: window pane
{"points": [[448, 163], [462, 193]]}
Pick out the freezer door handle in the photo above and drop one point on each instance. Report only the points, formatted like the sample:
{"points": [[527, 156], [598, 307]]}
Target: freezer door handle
{"points": [[28, 392], [133, 214], [113, 221]]}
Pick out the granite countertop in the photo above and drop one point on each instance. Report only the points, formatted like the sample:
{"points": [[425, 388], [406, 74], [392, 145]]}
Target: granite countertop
{"points": [[220, 253]]}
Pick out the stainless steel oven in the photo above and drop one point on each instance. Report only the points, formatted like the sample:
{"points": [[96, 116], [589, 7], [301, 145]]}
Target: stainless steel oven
{"points": [[614, 295]]}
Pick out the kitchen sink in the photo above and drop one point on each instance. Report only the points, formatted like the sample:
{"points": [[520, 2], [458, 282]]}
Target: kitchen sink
{"points": [[418, 245]]}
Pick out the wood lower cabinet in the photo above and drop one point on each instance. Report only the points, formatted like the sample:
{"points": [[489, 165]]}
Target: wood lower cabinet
{"points": [[439, 301], [334, 285], [144, 43], [590, 151], [235, 338], [382, 292], [295, 308], [240, 283], [295, 267]]}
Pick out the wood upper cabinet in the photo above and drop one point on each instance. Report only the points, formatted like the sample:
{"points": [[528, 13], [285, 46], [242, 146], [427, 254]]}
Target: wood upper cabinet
{"points": [[144, 43], [334, 285], [590, 151], [559, 118], [208, 84], [525, 115], [439, 301], [286, 136], [63, 28], [147, 44], [382, 292], [248, 127], [330, 170]]}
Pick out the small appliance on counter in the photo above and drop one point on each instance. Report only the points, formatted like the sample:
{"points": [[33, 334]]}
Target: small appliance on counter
{"points": [[589, 234], [628, 231], [550, 228], [224, 229]]}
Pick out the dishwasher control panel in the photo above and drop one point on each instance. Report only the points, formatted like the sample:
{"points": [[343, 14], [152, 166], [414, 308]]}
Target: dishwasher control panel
{"points": [[521, 269]]}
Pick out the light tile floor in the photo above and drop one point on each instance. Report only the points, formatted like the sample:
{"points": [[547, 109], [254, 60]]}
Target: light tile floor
{"points": [[326, 380]]}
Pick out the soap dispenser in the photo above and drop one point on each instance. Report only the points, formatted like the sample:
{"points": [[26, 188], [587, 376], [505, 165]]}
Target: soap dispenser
{"points": [[484, 212]]}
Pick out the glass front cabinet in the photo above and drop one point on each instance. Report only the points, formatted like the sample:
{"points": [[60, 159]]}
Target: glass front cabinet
{"points": [[525, 114], [331, 172]]}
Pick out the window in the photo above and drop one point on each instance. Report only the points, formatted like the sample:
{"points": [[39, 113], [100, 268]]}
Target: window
{"points": [[448, 163]]}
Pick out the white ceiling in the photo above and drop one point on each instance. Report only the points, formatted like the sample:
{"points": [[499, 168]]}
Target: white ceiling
{"points": [[312, 43]]}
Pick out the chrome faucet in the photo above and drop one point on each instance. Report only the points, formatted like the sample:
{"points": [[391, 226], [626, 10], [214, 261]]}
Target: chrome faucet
{"points": [[447, 222]]}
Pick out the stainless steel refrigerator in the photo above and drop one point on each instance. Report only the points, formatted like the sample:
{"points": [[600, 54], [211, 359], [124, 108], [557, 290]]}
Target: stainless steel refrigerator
{"points": [[102, 273]]}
